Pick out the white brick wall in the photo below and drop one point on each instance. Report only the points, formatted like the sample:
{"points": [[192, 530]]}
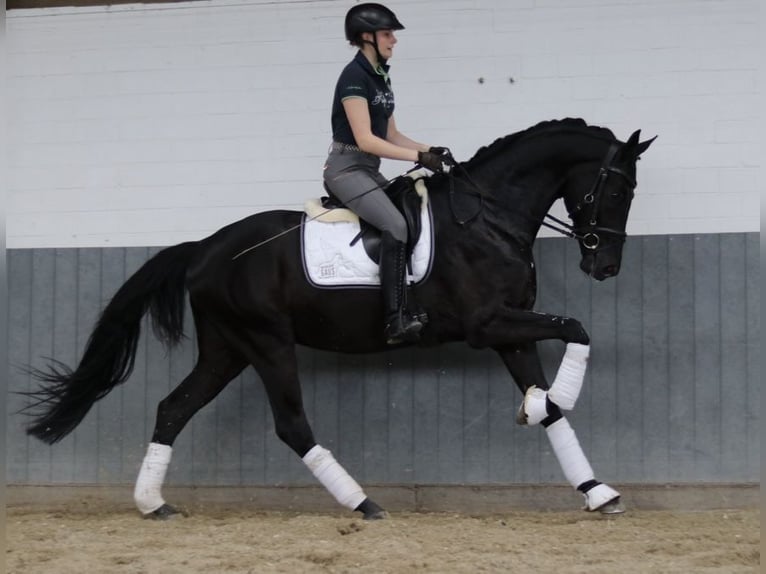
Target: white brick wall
{"points": [[150, 125]]}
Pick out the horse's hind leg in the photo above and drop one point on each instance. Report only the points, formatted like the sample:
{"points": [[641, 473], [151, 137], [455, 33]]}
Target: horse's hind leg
{"points": [[523, 362], [276, 364], [216, 367]]}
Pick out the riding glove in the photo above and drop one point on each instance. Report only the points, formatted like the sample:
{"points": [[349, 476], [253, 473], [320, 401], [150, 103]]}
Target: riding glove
{"points": [[438, 150], [431, 161]]}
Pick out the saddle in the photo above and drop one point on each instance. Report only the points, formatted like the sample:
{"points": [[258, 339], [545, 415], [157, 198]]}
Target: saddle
{"points": [[402, 193]]}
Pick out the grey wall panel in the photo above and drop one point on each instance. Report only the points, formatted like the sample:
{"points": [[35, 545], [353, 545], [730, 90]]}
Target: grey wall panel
{"points": [[19, 354], [681, 379], [672, 392], [753, 367], [655, 412]]}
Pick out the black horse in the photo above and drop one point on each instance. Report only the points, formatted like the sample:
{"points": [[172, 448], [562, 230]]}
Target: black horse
{"points": [[253, 309]]}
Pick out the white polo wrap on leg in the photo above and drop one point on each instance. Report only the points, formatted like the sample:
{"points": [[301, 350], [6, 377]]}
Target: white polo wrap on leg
{"points": [[568, 382], [334, 478], [567, 448], [535, 405], [147, 493]]}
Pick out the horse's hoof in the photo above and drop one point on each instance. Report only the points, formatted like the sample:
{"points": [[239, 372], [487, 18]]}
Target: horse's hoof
{"points": [[371, 511], [604, 499], [378, 515], [612, 507], [165, 512]]}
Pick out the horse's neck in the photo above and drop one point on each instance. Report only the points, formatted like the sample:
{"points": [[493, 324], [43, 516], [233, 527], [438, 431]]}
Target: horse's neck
{"points": [[526, 179]]}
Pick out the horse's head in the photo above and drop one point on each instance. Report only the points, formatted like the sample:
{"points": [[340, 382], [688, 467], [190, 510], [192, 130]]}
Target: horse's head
{"points": [[599, 205]]}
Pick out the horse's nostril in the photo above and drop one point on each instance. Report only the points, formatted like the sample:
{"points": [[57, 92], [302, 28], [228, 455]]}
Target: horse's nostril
{"points": [[610, 270]]}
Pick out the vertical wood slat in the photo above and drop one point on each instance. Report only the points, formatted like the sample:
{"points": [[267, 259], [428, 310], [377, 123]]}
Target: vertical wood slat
{"points": [[449, 409], [681, 372], [655, 359], [253, 429], [41, 320], [20, 354], [400, 411], [672, 391], [629, 431], [351, 372], [64, 329], [476, 419], [88, 308], [374, 452], [425, 417], [707, 355], [136, 418], [109, 410], [753, 372], [602, 382], [503, 434], [733, 379]]}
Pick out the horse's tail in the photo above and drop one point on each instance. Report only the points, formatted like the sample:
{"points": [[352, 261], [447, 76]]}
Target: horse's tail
{"points": [[66, 396]]}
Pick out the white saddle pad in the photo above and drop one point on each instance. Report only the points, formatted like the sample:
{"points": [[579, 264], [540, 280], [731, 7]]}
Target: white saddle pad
{"points": [[330, 260]]}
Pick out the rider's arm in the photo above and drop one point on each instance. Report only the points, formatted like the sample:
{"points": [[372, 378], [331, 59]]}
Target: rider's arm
{"points": [[359, 119], [398, 138]]}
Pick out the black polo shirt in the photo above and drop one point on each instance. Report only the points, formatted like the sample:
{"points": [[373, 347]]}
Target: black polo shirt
{"points": [[359, 80]]}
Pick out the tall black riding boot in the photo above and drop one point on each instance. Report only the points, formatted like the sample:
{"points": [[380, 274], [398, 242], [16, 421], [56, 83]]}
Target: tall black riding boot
{"points": [[400, 326]]}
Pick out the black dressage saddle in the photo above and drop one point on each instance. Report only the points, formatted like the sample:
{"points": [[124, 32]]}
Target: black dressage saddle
{"points": [[405, 198]]}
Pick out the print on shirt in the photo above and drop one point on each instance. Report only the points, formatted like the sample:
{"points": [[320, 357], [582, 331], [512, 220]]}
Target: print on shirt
{"points": [[385, 98]]}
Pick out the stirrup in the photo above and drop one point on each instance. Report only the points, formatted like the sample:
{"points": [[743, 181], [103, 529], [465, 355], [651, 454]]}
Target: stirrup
{"points": [[398, 331]]}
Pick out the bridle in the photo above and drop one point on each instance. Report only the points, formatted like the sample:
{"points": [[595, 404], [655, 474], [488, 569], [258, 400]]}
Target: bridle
{"points": [[589, 235]]}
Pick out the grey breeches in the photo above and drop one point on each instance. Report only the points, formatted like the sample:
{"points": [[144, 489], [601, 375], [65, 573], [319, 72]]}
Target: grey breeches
{"points": [[350, 175]]}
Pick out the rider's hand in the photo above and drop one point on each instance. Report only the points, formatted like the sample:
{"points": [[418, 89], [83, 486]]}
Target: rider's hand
{"points": [[438, 150], [431, 161]]}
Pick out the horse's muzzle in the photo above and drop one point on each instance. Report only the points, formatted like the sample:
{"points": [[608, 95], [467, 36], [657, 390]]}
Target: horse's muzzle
{"points": [[599, 271]]}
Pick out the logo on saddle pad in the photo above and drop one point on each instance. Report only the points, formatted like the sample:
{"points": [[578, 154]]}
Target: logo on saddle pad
{"points": [[335, 256]]}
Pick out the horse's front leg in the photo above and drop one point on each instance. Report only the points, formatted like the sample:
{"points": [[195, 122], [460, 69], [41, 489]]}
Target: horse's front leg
{"points": [[523, 362], [519, 330]]}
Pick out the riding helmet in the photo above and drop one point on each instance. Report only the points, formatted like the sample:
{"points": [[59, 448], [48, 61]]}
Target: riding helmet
{"points": [[369, 17]]}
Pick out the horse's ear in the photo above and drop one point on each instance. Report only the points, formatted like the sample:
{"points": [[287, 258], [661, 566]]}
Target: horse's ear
{"points": [[643, 146], [633, 139]]}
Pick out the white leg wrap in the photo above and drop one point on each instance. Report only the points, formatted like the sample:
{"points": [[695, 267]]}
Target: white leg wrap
{"points": [[333, 477], [572, 459], [568, 382], [534, 406], [151, 476]]}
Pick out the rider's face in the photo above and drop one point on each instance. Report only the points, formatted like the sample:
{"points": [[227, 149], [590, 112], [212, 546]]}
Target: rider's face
{"points": [[386, 40]]}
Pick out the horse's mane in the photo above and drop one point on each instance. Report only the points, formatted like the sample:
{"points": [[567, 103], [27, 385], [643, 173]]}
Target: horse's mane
{"points": [[567, 124]]}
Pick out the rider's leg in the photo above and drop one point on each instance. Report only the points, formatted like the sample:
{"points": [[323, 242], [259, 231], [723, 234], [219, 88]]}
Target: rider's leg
{"points": [[400, 326], [353, 178]]}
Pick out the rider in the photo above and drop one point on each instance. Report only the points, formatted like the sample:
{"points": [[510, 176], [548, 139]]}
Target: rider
{"points": [[364, 131]]}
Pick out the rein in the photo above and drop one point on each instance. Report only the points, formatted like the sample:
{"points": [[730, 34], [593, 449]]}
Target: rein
{"points": [[304, 221], [587, 235]]}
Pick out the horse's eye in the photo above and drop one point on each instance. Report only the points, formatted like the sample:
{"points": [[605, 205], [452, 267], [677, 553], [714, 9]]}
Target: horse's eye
{"points": [[617, 194]]}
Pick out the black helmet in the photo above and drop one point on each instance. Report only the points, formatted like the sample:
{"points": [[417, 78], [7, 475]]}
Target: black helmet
{"points": [[369, 17]]}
